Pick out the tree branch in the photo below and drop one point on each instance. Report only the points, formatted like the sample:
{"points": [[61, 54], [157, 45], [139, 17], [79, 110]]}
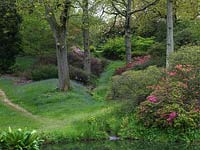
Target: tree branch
{"points": [[50, 16], [65, 13], [144, 7], [117, 10]]}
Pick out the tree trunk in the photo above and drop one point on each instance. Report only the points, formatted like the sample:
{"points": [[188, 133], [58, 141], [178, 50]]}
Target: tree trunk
{"points": [[62, 62], [85, 28], [59, 31], [170, 34], [128, 33]]}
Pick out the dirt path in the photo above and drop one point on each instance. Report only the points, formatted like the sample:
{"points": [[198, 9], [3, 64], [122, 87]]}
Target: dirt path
{"points": [[16, 107]]}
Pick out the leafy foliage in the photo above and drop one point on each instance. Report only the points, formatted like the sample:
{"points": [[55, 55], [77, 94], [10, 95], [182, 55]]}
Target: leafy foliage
{"points": [[115, 48], [20, 139], [37, 39], [9, 34], [132, 65], [43, 72], [133, 84], [186, 55], [175, 100]]}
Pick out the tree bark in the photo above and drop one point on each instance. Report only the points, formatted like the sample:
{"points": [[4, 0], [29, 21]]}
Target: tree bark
{"points": [[128, 32], [86, 44], [60, 30], [170, 34], [62, 62]]}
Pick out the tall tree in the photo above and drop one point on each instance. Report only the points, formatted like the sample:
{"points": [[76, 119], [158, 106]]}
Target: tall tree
{"points": [[86, 38], [170, 34], [59, 28], [127, 9], [9, 34]]}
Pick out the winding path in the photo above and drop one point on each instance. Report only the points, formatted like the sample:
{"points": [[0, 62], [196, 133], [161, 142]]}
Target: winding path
{"points": [[6, 101]]}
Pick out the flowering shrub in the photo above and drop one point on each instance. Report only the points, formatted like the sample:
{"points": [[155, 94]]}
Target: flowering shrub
{"points": [[189, 55], [175, 101], [130, 66]]}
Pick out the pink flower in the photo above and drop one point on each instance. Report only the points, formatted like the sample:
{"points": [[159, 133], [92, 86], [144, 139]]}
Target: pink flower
{"points": [[172, 73], [152, 98], [179, 67], [171, 117]]}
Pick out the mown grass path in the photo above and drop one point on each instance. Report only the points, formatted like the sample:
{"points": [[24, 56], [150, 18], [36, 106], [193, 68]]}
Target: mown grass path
{"points": [[16, 107]]}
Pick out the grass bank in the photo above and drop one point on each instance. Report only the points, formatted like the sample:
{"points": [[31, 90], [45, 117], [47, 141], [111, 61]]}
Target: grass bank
{"points": [[58, 115]]}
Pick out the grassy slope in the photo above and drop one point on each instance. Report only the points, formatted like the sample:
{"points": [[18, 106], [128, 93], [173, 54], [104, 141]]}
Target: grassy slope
{"points": [[55, 110]]}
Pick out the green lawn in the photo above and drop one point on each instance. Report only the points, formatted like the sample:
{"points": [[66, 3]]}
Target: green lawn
{"points": [[55, 111]]}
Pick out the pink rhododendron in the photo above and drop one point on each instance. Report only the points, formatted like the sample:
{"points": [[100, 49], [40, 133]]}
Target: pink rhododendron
{"points": [[172, 73], [152, 98], [137, 61], [171, 117], [179, 67]]}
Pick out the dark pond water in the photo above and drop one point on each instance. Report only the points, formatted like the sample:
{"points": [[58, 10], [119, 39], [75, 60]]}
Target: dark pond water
{"points": [[122, 145]]}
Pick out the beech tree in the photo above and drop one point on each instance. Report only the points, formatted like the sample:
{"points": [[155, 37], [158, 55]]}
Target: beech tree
{"points": [[57, 14], [127, 8], [170, 34]]}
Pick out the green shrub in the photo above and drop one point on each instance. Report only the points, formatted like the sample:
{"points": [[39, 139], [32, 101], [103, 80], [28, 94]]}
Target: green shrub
{"points": [[186, 33], [141, 44], [77, 61], [115, 48], [175, 100], [133, 84], [157, 50], [187, 55], [20, 140], [43, 72], [184, 37], [79, 75], [9, 34]]}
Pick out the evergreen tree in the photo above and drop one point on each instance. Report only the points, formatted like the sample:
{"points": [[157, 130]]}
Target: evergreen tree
{"points": [[9, 34]]}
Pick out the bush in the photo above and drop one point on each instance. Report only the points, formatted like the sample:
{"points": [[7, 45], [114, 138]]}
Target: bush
{"points": [[157, 50], [132, 65], [133, 84], [98, 65], [183, 37], [9, 34], [43, 72], [187, 55], [186, 33], [115, 48], [19, 139], [175, 100], [79, 75], [77, 60]]}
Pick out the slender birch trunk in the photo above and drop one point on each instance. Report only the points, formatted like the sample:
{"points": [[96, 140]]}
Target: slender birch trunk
{"points": [[170, 34], [128, 32], [85, 28]]}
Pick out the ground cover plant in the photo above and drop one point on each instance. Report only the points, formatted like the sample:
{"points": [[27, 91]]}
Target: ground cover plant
{"points": [[74, 73]]}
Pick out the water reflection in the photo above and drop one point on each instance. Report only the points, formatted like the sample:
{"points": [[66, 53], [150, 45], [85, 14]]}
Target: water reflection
{"points": [[122, 145]]}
